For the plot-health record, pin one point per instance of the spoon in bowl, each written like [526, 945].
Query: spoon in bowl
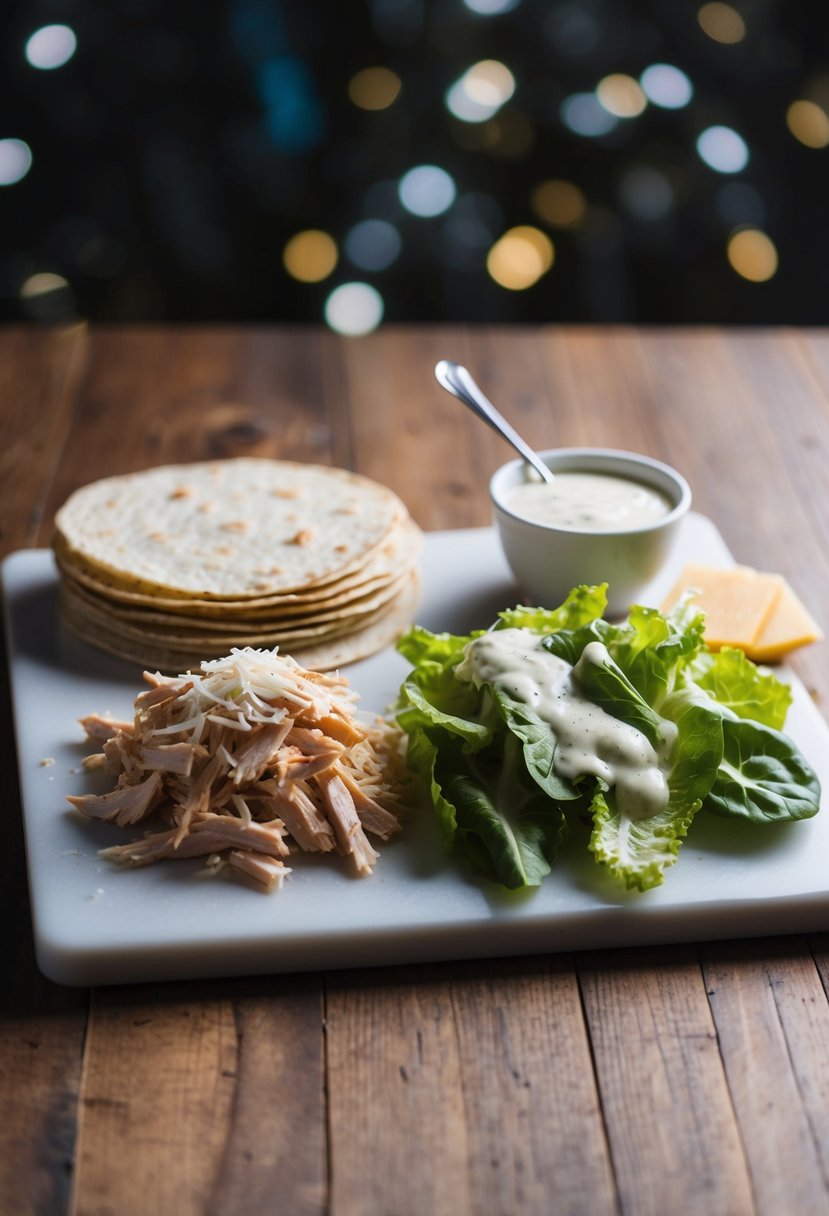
[456, 380]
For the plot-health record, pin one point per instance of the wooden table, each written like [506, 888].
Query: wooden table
[672, 1080]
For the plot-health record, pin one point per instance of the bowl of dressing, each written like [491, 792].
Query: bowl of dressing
[607, 517]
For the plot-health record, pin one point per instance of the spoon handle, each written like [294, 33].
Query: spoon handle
[457, 381]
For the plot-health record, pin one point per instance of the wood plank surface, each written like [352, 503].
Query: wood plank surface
[772, 1020]
[692, 1079]
[673, 1134]
[39, 374]
[41, 1026]
[228, 1116]
[473, 1083]
[155, 396]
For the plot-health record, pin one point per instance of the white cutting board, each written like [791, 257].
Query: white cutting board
[95, 924]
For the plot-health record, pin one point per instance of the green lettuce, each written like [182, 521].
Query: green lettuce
[638, 850]
[487, 760]
[736, 683]
[761, 776]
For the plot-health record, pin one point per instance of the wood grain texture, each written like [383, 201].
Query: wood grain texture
[168, 1131]
[674, 1080]
[673, 1134]
[41, 1026]
[208, 1096]
[275, 1153]
[472, 1085]
[772, 1020]
[152, 396]
[39, 373]
[410, 434]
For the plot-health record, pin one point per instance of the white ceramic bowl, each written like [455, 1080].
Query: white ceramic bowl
[548, 561]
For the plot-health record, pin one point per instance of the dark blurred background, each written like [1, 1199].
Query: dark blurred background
[403, 160]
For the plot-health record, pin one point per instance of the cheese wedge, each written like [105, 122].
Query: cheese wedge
[790, 625]
[755, 611]
[737, 603]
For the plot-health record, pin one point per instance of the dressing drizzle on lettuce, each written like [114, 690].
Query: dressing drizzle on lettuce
[491, 757]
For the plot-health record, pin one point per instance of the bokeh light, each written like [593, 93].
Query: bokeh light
[481, 91]
[15, 161]
[490, 8]
[50, 47]
[666, 86]
[294, 116]
[427, 190]
[752, 255]
[584, 115]
[310, 256]
[373, 244]
[621, 95]
[42, 283]
[722, 23]
[374, 88]
[354, 309]
[520, 257]
[559, 203]
[808, 123]
[398, 149]
[723, 149]
[47, 297]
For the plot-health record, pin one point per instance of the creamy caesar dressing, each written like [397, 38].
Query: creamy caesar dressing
[590, 741]
[588, 502]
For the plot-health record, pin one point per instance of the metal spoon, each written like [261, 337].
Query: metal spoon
[457, 381]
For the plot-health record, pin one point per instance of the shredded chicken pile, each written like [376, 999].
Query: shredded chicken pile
[241, 758]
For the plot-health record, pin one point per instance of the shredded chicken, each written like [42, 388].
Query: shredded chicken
[347, 827]
[100, 727]
[124, 805]
[241, 760]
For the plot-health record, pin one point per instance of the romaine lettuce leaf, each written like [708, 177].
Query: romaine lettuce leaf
[486, 805]
[432, 697]
[421, 756]
[604, 683]
[539, 745]
[568, 644]
[638, 850]
[420, 646]
[583, 605]
[747, 690]
[762, 776]
[431, 694]
[510, 832]
[652, 649]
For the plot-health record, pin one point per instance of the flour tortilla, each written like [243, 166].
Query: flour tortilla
[217, 637]
[323, 655]
[182, 563]
[233, 529]
[386, 562]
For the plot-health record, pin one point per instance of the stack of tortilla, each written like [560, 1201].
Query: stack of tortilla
[178, 564]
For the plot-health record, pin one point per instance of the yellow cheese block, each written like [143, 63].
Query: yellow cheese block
[737, 603]
[749, 609]
[789, 625]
